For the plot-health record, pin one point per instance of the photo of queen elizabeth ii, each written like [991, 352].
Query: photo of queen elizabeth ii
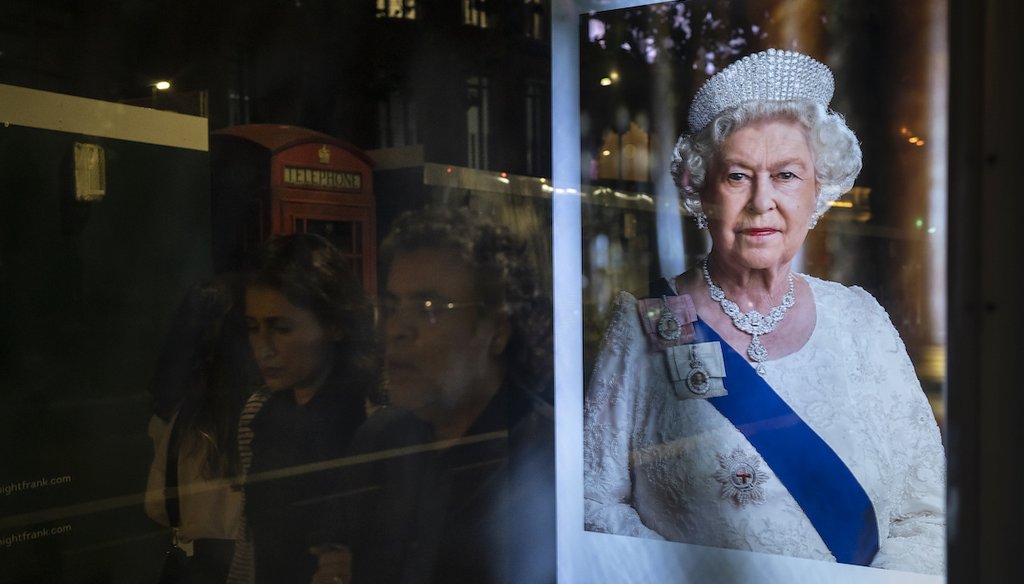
[742, 405]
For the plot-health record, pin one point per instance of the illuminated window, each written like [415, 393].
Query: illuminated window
[477, 128]
[534, 19]
[625, 156]
[474, 13]
[396, 9]
[635, 149]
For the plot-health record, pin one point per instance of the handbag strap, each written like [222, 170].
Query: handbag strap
[171, 501]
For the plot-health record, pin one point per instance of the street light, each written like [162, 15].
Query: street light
[155, 89]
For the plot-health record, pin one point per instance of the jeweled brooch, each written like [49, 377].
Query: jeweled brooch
[741, 477]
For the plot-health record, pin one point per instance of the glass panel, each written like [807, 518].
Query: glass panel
[140, 355]
[116, 320]
[639, 68]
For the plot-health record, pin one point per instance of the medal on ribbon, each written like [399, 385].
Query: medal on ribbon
[741, 477]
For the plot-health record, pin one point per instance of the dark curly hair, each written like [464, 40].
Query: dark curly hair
[205, 372]
[506, 277]
[313, 275]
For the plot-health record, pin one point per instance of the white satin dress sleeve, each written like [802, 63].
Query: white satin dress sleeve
[609, 412]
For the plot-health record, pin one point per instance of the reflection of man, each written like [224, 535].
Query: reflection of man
[459, 487]
[445, 342]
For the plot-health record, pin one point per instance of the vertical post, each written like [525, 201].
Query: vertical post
[567, 270]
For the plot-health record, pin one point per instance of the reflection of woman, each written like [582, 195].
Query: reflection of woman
[748, 407]
[310, 328]
[203, 377]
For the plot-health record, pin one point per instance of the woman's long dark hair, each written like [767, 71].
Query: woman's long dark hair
[205, 374]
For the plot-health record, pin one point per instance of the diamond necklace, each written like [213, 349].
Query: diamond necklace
[753, 323]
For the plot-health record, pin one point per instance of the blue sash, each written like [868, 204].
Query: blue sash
[811, 471]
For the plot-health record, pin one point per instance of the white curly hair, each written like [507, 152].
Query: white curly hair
[834, 147]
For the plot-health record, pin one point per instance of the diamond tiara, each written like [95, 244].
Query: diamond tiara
[770, 75]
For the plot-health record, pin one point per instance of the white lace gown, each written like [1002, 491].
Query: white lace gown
[650, 459]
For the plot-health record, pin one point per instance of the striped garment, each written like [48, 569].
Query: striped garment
[242, 563]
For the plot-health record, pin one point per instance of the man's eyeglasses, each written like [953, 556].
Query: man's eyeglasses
[418, 311]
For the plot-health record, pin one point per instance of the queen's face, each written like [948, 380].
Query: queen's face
[759, 195]
[291, 346]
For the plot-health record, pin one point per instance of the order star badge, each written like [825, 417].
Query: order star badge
[741, 477]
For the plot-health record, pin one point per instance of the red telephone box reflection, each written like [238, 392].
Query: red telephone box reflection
[272, 179]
